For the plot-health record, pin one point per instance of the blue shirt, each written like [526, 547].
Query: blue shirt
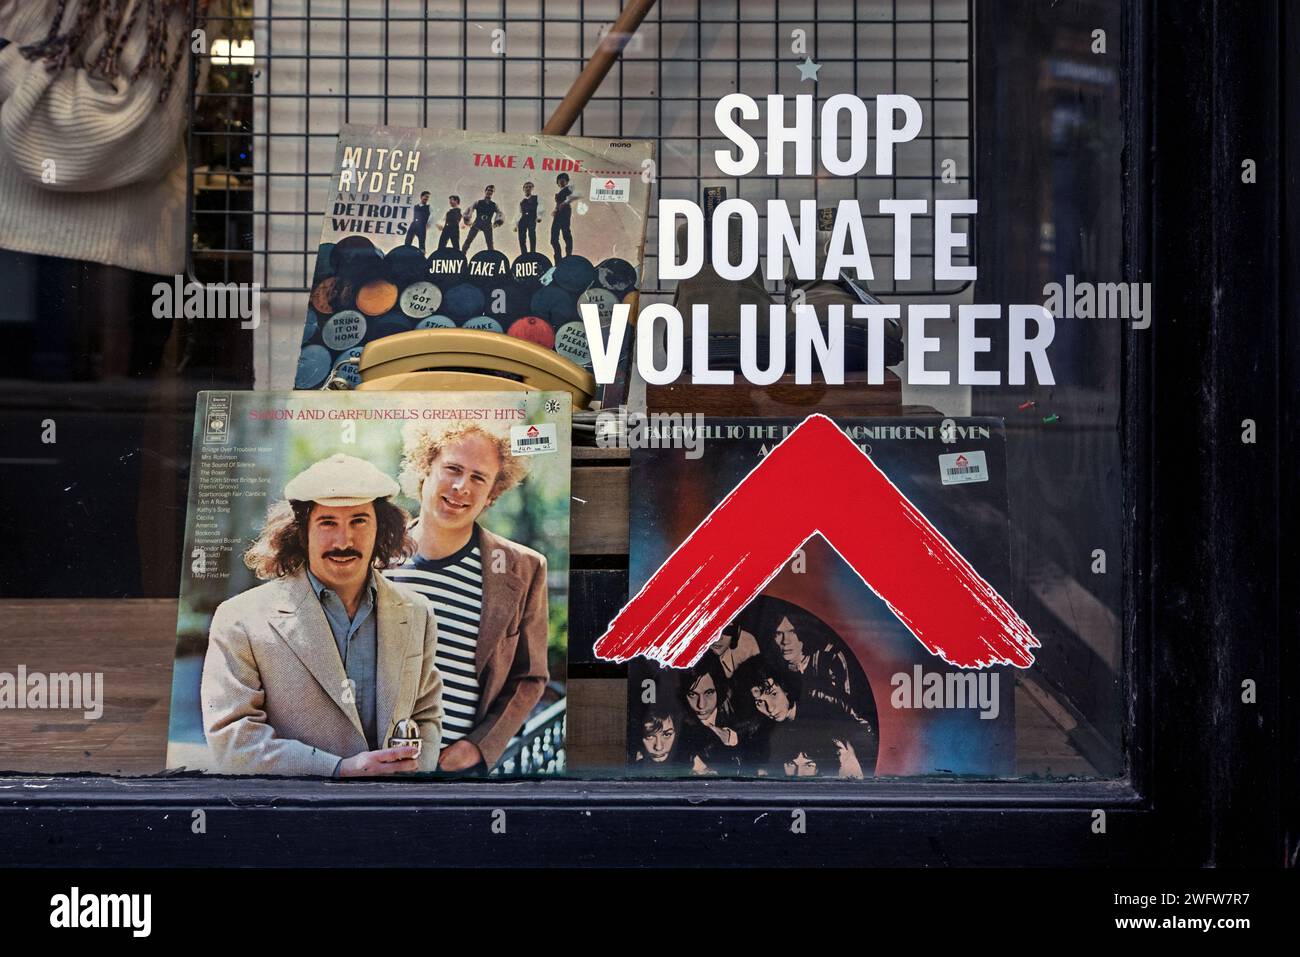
[357, 639]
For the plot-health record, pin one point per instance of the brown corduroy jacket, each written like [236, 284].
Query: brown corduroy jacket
[512, 631]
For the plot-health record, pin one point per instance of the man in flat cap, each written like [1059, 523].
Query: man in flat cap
[310, 673]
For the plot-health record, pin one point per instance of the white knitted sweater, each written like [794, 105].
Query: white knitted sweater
[115, 190]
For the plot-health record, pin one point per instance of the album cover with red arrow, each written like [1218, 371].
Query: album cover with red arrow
[822, 598]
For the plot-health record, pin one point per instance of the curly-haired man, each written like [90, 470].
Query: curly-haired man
[311, 672]
[489, 592]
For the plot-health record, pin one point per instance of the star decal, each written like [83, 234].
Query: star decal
[808, 69]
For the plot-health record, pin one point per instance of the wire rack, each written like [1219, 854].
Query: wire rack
[488, 65]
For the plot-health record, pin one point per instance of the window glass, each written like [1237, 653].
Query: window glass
[1021, 109]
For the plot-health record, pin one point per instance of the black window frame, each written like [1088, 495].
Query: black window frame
[1213, 781]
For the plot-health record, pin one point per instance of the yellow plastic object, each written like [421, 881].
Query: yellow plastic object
[451, 358]
[442, 382]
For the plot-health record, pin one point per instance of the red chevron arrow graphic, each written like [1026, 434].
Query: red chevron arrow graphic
[746, 540]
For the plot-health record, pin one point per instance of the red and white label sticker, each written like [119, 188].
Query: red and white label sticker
[958, 468]
[533, 439]
[610, 189]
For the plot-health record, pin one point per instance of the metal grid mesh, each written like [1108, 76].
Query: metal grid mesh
[488, 65]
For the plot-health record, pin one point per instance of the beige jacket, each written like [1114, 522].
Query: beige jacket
[274, 693]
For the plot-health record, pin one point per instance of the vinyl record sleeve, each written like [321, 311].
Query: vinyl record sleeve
[259, 659]
[515, 234]
[868, 698]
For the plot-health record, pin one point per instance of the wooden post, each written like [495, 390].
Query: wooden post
[566, 114]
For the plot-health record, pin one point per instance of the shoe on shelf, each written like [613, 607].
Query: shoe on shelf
[724, 297]
[847, 292]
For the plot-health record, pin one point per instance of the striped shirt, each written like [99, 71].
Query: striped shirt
[454, 586]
